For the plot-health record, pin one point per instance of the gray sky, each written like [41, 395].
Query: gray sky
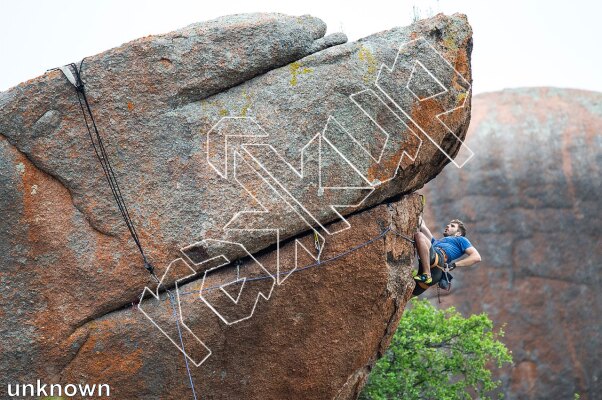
[516, 43]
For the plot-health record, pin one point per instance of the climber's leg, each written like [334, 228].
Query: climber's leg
[423, 245]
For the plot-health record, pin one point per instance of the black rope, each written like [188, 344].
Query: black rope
[103, 158]
[318, 263]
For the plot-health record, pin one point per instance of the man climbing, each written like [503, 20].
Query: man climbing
[442, 253]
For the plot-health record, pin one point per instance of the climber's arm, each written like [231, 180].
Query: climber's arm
[425, 230]
[472, 257]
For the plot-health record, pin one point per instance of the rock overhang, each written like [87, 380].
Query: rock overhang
[317, 129]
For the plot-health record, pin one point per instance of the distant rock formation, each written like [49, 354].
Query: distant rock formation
[245, 147]
[531, 200]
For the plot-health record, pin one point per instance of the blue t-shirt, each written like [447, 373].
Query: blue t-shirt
[453, 246]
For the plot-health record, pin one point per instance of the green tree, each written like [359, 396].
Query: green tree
[438, 354]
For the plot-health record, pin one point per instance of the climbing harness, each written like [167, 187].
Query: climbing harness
[72, 73]
[445, 282]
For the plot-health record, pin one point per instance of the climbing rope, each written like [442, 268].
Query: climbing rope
[175, 314]
[72, 73]
[318, 263]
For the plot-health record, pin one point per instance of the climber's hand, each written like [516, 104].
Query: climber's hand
[451, 266]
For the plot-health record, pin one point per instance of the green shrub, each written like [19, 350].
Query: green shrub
[438, 354]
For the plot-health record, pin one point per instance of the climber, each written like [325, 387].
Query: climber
[451, 251]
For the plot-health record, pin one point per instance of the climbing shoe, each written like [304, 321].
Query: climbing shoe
[414, 273]
[424, 278]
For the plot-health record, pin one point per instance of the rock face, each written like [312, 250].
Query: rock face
[241, 146]
[531, 199]
[315, 338]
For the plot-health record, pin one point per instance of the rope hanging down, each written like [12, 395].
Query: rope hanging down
[172, 301]
[72, 73]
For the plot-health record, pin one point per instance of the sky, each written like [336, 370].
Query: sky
[516, 43]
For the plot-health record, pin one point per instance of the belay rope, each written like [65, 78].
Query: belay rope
[72, 73]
